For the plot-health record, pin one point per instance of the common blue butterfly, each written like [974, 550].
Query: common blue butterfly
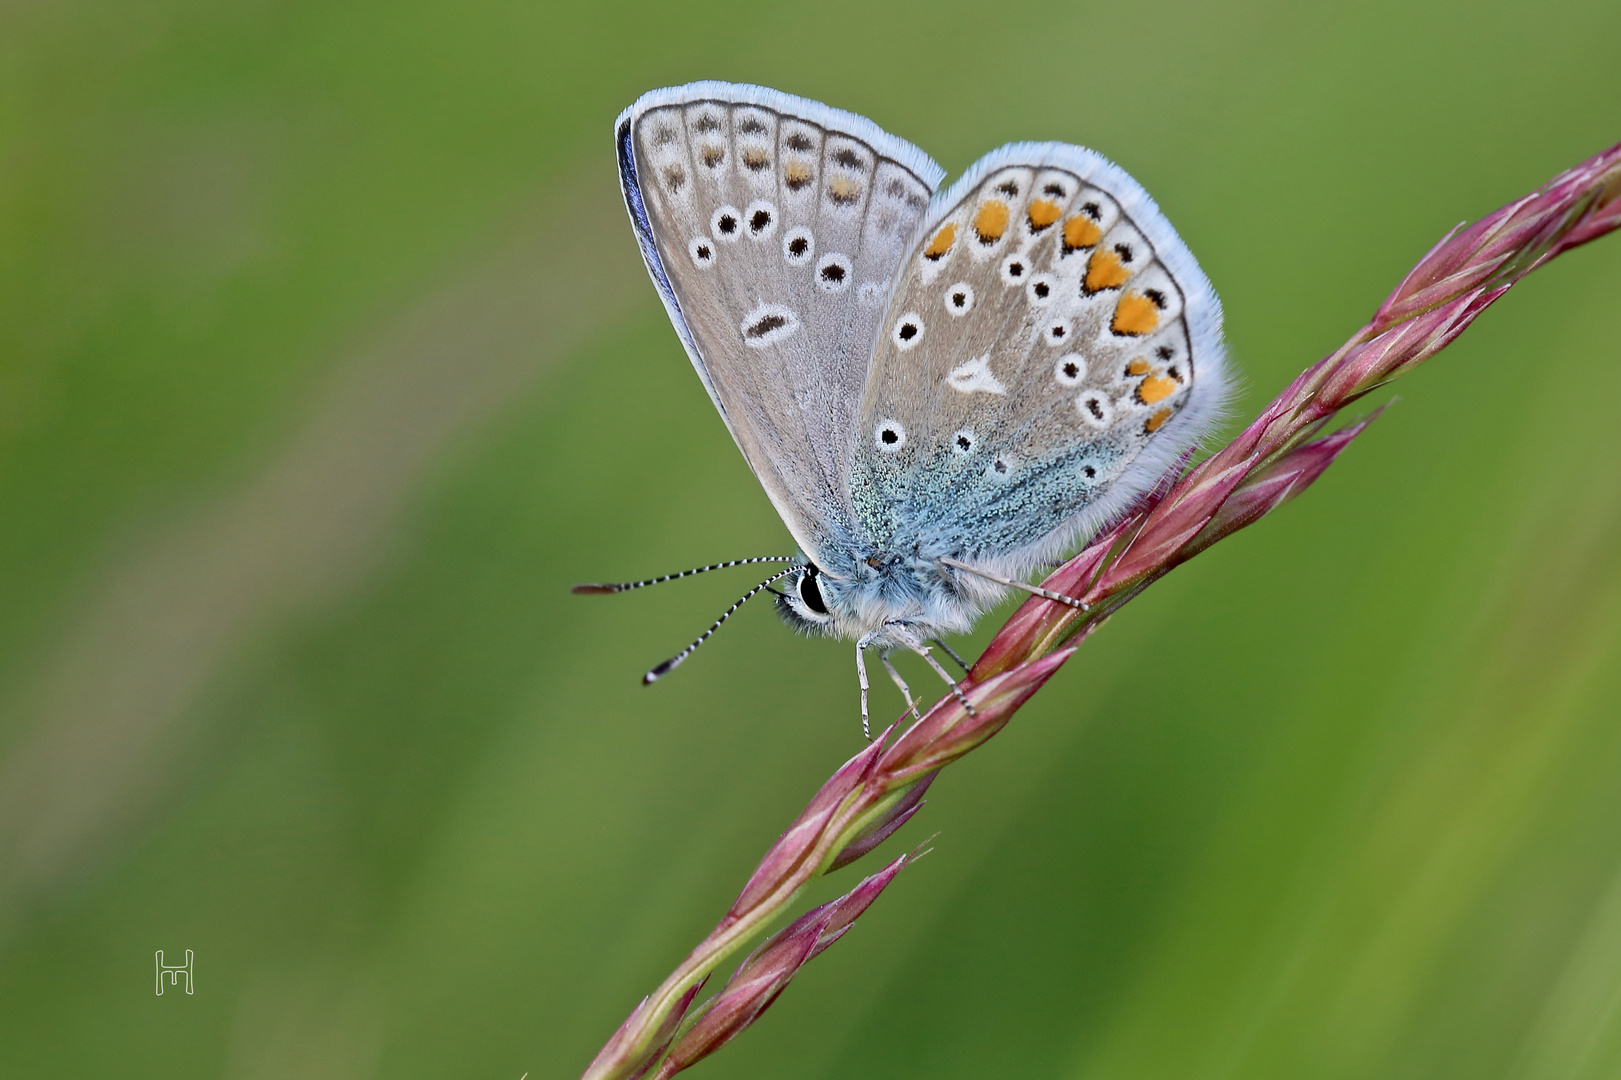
[939, 391]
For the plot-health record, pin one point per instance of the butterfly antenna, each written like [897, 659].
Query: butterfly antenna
[604, 590]
[1034, 590]
[665, 668]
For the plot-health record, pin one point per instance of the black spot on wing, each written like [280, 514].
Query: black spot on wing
[764, 325]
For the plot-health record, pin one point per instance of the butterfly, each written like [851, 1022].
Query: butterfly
[939, 391]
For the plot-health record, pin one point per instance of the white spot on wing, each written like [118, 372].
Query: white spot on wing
[1095, 409]
[1070, 369]
[907, 332]
[761, 218]
[798, 246]
[726, 224]
[768, 324]
[960, 298]
[976, 376]
[833, 272]
[1015, 268]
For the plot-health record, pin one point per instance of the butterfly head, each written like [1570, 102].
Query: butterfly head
[887, 599]
[804, 602]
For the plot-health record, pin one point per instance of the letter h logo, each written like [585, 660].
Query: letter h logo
[174, 973]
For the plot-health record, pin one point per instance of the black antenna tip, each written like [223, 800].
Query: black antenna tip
[662, 669]
[594, 590]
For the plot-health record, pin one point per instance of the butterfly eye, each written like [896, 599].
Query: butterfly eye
[810, 592]
[960, 298]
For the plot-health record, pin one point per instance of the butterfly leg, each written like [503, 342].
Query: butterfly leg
[911, 702]
[861, 677]
[923, 651]
[953, 654]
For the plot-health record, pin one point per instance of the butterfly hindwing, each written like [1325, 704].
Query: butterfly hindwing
[1050, 349]
[773, 227]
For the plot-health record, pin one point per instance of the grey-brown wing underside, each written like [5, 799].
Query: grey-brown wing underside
[1052, 348]
[773, 227]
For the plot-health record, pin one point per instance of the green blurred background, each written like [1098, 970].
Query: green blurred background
[327, 363]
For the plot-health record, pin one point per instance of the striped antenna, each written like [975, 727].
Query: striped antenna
[665, 668]
[604, 590]
[1034, 590]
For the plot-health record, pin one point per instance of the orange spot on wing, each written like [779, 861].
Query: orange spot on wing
[942, 242]
[1043, 212]
[1155, 388]
[1157, 421]
[844, 190]
[797, 174]
[1138, 366]
[1104, 271]
[1135, 315]
[991, 220]
[1081, 231]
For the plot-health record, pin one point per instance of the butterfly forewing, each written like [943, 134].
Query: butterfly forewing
[1050, 349]
[774, 227]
